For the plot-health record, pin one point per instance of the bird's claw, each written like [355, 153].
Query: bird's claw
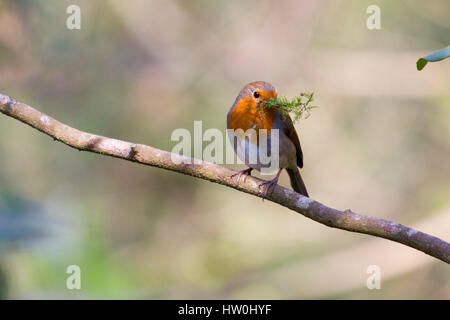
[245, 172]
[271, 184]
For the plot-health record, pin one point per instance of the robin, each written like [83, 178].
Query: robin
[247, 113]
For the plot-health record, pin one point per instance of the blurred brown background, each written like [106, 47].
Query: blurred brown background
[379, 144]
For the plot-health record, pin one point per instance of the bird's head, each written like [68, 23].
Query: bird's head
[254, 93]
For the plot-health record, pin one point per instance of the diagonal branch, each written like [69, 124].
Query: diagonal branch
[345, 220]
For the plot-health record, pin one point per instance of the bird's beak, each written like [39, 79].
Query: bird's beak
[267, 95]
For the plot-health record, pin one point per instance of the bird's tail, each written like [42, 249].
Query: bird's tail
[297, 182]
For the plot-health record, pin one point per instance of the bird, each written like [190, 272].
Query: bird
[248, 112]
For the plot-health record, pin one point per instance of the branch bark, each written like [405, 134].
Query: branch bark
[345, 220]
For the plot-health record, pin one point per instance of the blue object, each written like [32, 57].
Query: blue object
[436, 56]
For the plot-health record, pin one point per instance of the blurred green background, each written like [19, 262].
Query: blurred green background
[379, 144]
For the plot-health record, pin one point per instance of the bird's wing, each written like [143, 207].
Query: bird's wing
[289, 130]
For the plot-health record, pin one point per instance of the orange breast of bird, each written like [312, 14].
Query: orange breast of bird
[247, 115]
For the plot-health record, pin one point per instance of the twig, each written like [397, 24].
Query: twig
[345, 220]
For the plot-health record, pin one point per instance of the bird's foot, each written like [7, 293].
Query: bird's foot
[247, 172]
[271, 184]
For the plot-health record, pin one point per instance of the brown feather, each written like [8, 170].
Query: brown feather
[289, 130]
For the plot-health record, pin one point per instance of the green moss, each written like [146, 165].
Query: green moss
[299, 106]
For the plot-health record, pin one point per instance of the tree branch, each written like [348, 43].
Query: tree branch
[345, 220]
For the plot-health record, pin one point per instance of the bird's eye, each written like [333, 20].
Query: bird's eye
[256, 94]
